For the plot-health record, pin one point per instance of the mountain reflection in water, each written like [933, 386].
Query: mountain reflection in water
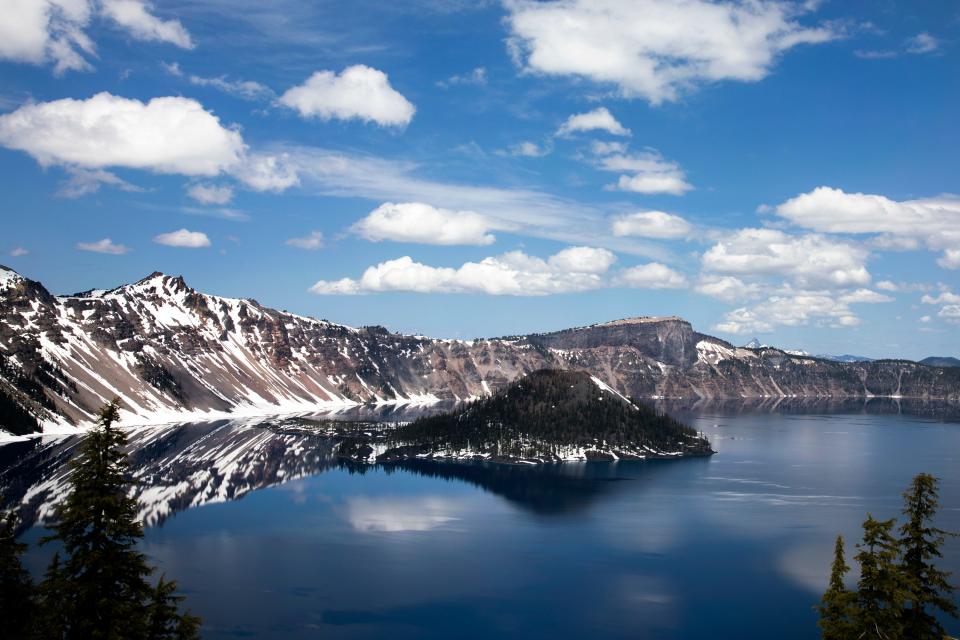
[188, 465]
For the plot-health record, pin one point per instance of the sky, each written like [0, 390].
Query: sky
[785, 170]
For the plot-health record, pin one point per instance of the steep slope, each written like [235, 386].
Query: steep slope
[172, 353]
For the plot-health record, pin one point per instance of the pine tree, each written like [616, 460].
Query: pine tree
[836, 605]
[920, 544]
[166, 623]
[16, 587]
[100, 591]
[50, 622]
[882, 591]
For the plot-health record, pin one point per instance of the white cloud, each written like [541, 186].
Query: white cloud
[210, 193]
[476, 77]
[515, 273]
[651, 224]
[42, 31]
[359, 92]
[268, 172]
[950, 313]
[310, 242]
[652, 276]
[604, 148]
[581, 260]
[85, 181]
[424, 224]
[104, 246]
[165, 135]
[922, 43]
[183, 238]
[523, 210]
[950, 259]
[886, 285]
[728, 289]
[135, 17]
[17, 252]
[793, 309]
[600, 119]
[864, 296]
[648, 171]
[933, 221]
[656, 49]
[245, 89]
[945, 297]
[808, 260]
[529, 149]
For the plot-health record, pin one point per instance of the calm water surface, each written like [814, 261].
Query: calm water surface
[735, 546]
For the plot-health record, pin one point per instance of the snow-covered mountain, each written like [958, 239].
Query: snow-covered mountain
[171, 353]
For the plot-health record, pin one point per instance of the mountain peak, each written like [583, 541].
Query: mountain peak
[158, 281]
[9, 277]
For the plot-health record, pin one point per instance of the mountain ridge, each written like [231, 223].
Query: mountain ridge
[172, 353]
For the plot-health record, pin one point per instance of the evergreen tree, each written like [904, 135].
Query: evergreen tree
[50, 622]
[101, 587]
[920, 544]
[16, 587]
[166, 623]
[836, 605]
[882, 591]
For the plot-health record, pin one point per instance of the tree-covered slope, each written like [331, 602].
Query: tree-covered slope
[545, 416]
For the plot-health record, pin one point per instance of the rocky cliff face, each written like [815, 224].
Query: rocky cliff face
[171, 353]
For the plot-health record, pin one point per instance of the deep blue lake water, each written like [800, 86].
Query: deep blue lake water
[735, 546]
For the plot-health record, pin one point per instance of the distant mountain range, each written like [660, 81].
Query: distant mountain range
[171, 353]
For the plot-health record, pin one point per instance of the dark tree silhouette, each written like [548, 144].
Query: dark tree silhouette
[836, 605]
[920, 544]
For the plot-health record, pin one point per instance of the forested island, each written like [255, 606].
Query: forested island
[547, 416]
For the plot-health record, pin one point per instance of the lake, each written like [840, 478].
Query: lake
[270, 538]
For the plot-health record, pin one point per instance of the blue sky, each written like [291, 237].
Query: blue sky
[463, 169]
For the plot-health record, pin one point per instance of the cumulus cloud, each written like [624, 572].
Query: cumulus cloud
[728, 289]
[932, 221]
[165, 135]
[944, 297]
[798, 308]
[424, 224]
[53, 31]
[104, 246]
[311, 242]
[950, 259]
[268, 171]
[808, 259]
[652, 276]
[358, 92]
[183, 238]
[210, 193]
[656, 49]
[950, 313]
[645, 172]
[17, 252]
[651, 224]
[514, 273]
[600, 119]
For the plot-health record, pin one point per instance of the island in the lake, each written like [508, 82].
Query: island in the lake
[546, 416]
